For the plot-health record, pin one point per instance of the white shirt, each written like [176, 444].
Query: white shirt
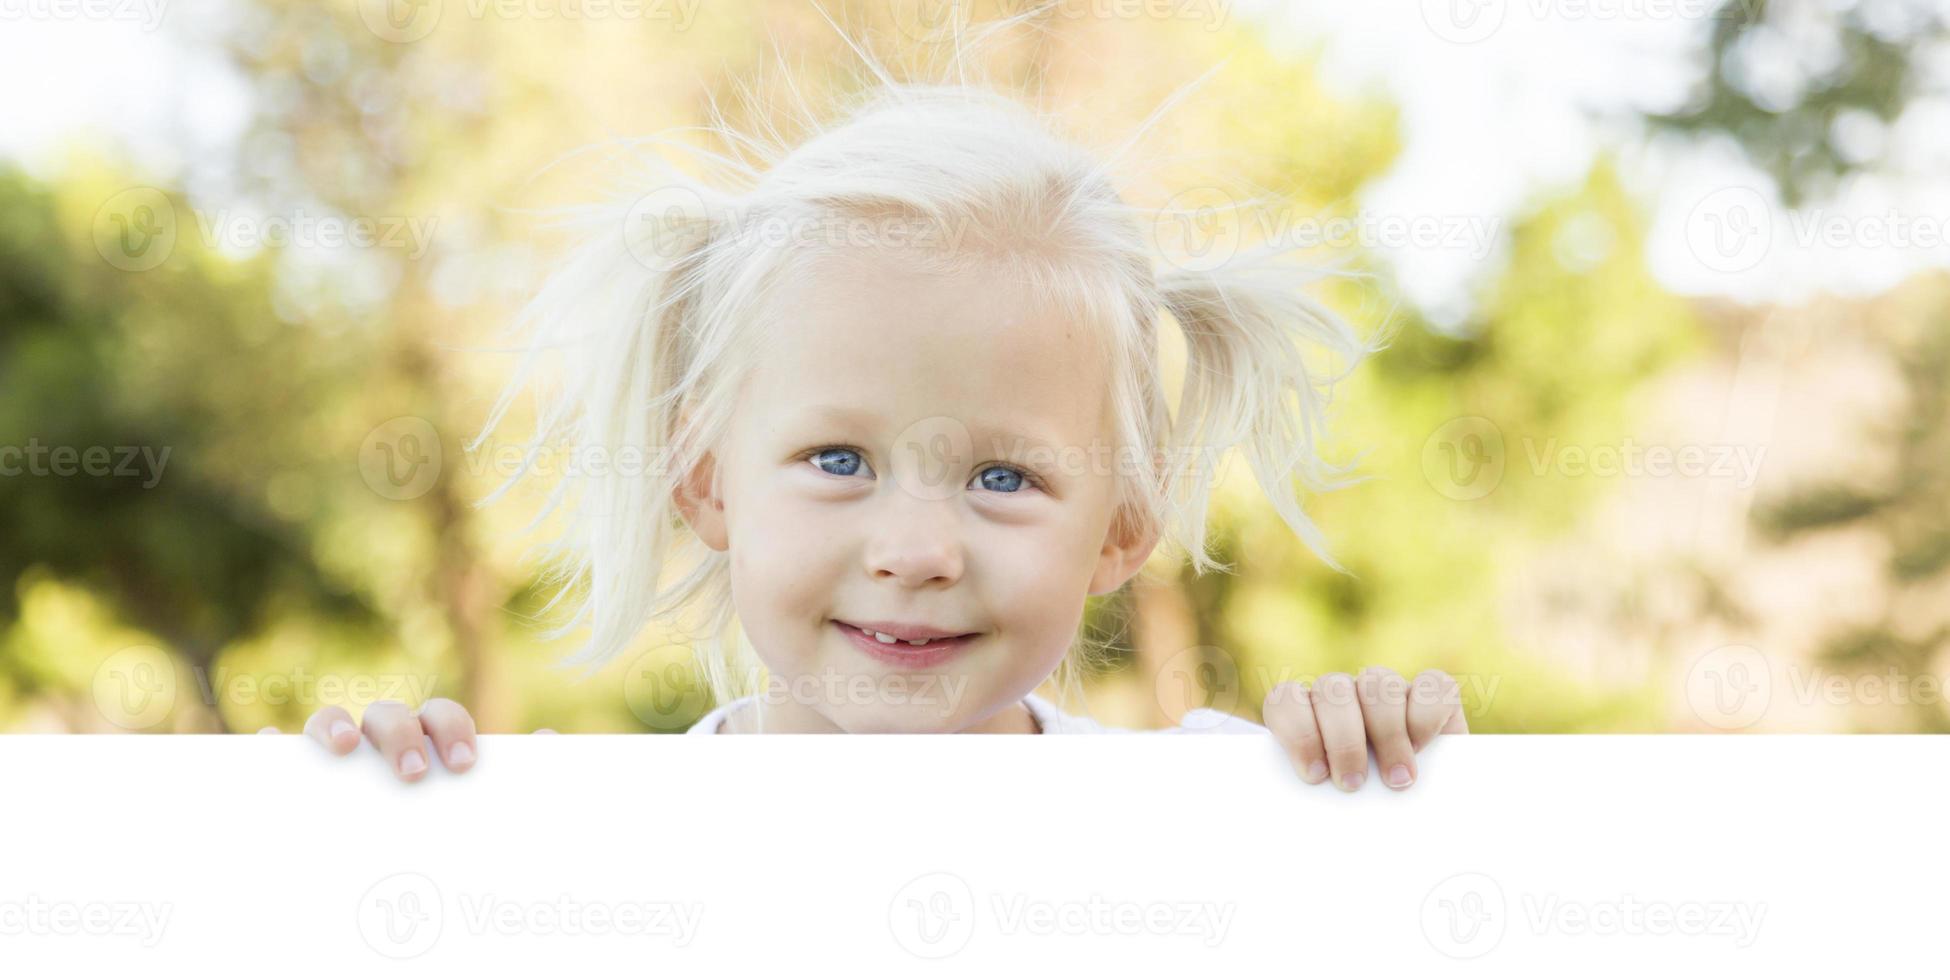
[1198, 721]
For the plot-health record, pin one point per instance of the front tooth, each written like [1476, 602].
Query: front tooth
[917, 643]
[884, 638]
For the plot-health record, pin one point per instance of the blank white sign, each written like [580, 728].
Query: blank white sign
[582, 856]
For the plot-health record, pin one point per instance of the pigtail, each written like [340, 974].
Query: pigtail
[1250, 332]
[614, 364]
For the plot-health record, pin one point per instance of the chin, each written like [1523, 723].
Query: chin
[897, 719]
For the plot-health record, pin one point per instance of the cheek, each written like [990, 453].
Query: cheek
[1035, 577]
[783, 561]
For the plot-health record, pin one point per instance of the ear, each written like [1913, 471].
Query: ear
[697, 499]
[1126, 548]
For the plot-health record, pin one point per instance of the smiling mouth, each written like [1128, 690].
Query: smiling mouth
[894, 640]
[905, 653]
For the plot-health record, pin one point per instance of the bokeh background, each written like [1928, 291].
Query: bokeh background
[1663, 443]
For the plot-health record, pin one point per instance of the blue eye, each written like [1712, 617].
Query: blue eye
[1001, 479]
[839, 462]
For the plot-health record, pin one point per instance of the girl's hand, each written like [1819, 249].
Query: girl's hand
[1327, 728]
[401, 735]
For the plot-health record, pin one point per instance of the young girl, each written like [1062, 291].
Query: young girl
[899, 405]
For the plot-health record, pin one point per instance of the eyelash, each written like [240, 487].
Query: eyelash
[1028, 477]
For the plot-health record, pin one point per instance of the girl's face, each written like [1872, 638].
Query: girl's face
[915, 448]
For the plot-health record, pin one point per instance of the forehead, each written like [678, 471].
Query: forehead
[880, 340]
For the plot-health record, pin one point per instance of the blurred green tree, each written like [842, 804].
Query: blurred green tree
[180, 549]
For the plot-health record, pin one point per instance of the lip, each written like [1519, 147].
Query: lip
[903, 654]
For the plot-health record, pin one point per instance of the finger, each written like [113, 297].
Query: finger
[397, 734]
[1384, 711]
[1289, 714]
[452, 729]
[1434, 708]
[1338, 713]
[332, 727]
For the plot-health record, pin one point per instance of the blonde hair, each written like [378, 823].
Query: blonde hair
[654, 318]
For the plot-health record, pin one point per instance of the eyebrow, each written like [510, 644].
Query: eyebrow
[843, 415]
[808, 422]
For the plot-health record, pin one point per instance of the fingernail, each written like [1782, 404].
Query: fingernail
[1398, 777]
[412, 762]
[1317, 772]
[1352, 781]
[340, 728]
[460, 754]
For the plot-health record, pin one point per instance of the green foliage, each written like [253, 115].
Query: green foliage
[1879, 64]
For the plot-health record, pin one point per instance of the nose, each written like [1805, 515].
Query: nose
[916, 543]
